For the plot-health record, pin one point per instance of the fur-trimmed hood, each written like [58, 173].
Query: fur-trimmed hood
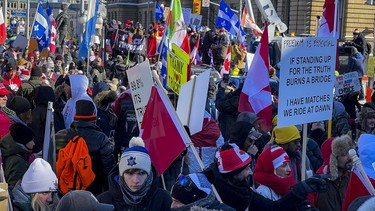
[102, 99]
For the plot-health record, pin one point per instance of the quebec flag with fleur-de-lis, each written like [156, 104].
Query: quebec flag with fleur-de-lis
[228, 20]
[40, 27]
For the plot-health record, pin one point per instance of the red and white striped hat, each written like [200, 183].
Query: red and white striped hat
[231, 160]
[278, 156]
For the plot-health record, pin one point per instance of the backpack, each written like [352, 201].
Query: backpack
[74, 166]
[127, 124]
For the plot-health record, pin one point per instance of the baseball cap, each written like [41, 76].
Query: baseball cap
[81, 200]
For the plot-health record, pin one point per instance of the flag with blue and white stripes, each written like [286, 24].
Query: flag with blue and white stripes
[90, 28]
[163, 48]
[159, 11]
[228, 20]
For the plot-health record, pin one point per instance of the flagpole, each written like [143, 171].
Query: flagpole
[27, 19]
[335, 19]
[357, 163]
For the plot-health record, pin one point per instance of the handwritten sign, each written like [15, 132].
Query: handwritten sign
[306, 80]
[177, 75]
[347, 83]
[140, 81]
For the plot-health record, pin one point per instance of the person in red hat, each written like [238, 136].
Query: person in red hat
[230, 174]
[11, 78]
[273, 173]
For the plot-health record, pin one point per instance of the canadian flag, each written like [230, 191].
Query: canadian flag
[52, 44]
[327, 21]
[164, 136]
[248, 20]
[226, 67]
[3, 31]
[194, 52]
[356, 187]
[256, 91]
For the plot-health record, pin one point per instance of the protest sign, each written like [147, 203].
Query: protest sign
[195, 20]
[140, 82]
[177, 64]
[347, 83]
[192, 101]
[186, 12]
[306, 80]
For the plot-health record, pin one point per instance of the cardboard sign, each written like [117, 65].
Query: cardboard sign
[177, 72]
[186, 12]
[347, 83]
[306, 80]
[140, 82]
[195, 20]
[192, 102]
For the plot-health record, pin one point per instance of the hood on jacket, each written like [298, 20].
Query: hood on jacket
[78, 85]
[9, 147]
[43, 94]
[102, 99]
[21, 199]
[338, 108]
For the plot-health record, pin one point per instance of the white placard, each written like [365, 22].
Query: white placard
[196, 100]
[306, 80]
[140, 82]
[186, 12]
[347, 83]
[205, 3]
[195, 20]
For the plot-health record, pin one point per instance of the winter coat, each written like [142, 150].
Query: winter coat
[227, 105]
[360, 44]
[268, 192]
[333, 199]
[100, 150]
[106, 117]
[221, 48]
[20, 200]
[314, 154]
[42, 96]
[16, 159]
[241, 197]
[5, 123]
[27, 88]
[239, 56]
[208, 40]
[356, 63]
[340, 124]
[98, 74]
[295, 166]
[14, 83]
[78, 85]
[155, 199]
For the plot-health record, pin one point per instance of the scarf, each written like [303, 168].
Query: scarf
[133, 198]
[281, 186]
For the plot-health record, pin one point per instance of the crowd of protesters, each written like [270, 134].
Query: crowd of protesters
[246, 166]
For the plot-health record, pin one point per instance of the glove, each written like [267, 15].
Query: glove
[313, 184]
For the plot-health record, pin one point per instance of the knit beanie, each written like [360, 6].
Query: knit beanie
[366, 152]
[39, 177]
[36, 71]
[356, 31]
[191, 188]
[83, 201]
[10, 66]
[231, 160]
[85, 110]
[284, 135]
[239, 132]
[19, 105]
[21, 133]
[135, 157]
[340, 146]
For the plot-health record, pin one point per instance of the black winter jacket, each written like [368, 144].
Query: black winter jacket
[242, 197]
[100, 150]
[155, 199]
